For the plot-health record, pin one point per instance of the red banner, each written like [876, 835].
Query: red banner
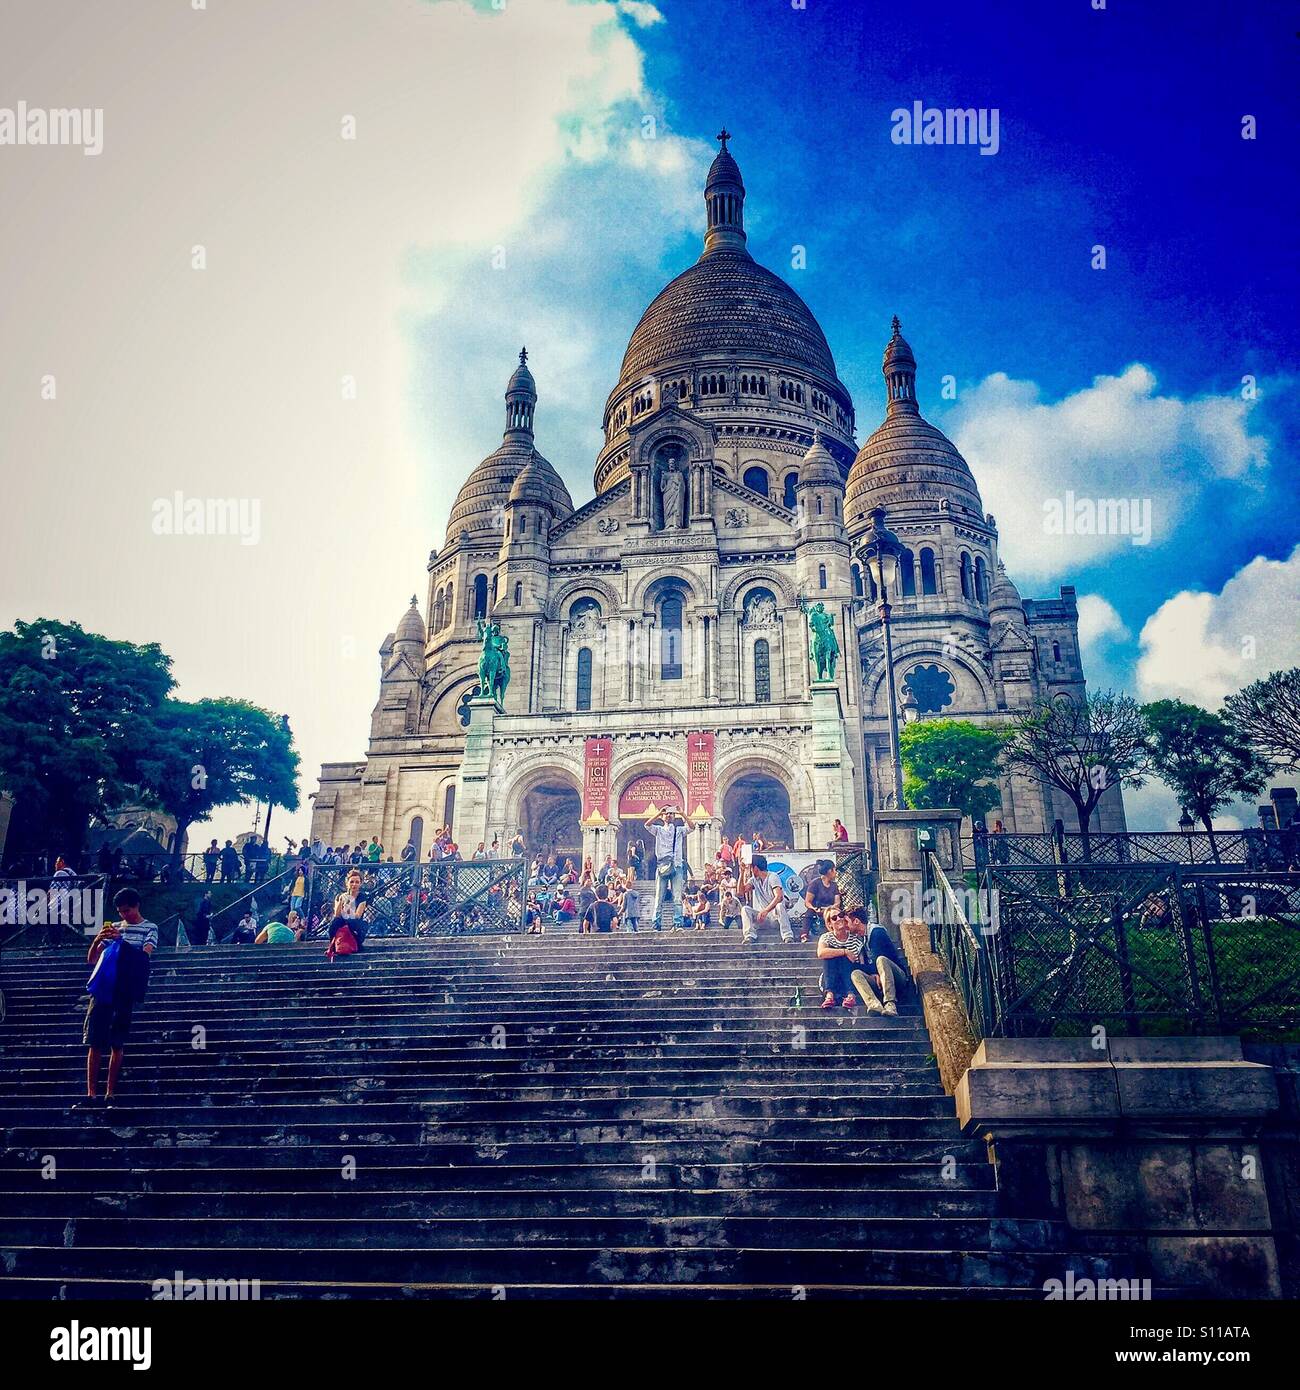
[649, 791]
[595, 781]
[699, 774]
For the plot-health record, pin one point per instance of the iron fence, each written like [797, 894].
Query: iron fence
[1147, 948]
[853, 875]
[1274, 851]
[447, 897]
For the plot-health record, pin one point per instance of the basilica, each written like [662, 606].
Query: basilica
[651, 647]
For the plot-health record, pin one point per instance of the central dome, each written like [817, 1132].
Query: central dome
[726, 302]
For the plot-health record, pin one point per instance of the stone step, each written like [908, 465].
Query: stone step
[284, 1289]
[972, 1174]
[172, 1150]
[543, 1262]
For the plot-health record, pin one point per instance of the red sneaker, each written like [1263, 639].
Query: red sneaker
[850, 1002]
[828, 1002]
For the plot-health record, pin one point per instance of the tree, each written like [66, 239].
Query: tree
[951, 762]
[77, 720]
[220, 752]
[1204, 761]
[1267, 715]
[1081, 747]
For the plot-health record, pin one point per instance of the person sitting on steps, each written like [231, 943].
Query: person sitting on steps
[349, 913]
[884, 973]
[766, 900]
[841, 951]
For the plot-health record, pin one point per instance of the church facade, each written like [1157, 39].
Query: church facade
[656, 638]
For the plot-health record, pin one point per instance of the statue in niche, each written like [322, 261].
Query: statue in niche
[672, 487]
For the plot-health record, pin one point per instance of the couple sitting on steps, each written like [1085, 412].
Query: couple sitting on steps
[858, 955]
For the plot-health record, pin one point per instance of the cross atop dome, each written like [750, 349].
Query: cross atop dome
[722, 137]
[523, 354]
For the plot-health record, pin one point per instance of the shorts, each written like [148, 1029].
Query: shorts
[108, 1023]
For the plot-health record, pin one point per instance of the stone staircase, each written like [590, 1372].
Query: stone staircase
[609, 1116]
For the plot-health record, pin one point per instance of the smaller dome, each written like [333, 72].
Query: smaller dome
[724, 170]
[521, 379]
[1004, 598]
[819, 465]
[898, 351]
[411, 626]
[540, 484]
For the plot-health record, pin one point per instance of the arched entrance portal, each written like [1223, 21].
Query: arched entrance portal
[758, 803]
[550, 814]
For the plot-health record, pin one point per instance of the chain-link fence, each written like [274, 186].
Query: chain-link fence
[1273, 851]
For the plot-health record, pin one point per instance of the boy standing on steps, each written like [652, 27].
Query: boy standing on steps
[108, 1016]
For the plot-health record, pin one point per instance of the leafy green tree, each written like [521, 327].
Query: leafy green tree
[1202, 758]
[1081, 748]
[951, 762]
[220, 752]
[77, 721]
[1267, 715]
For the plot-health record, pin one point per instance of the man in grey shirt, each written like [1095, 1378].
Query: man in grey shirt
[670, 862]
[766, 901]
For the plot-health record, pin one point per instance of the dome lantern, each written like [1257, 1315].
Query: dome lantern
[521, 399]
[899, 368]
[724, 199]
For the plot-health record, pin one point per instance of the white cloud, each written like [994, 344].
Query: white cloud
[643, 15]
[1201, 647]
[1116, 439]
[1099, 622]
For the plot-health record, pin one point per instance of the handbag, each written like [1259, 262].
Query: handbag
[343, 943]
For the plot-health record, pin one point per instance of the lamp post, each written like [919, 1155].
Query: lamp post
[1185, 824]
[879, 552]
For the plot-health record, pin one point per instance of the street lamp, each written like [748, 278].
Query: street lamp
[911, 710]
[1185, 824]
[880, 551]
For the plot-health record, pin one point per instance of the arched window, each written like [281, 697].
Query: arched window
[480, 596]
[519, 594]
[584, 678]
[857, 580]
[821, 576]
[981, 580]
[762, 672]
[449, 807]
[449, 613]
[756, 480]
[416, 835]
[906, 575]
[670, 637]
[791, 481]
[494, 591]
[523, 525]
[929, 583]
[1056, 651]
[819, 506]
[966, 591]
[439, 610]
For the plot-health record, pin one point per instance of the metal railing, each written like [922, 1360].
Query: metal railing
[1266, 850]
[447, 897]
[961, 945]
[1154, 948]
